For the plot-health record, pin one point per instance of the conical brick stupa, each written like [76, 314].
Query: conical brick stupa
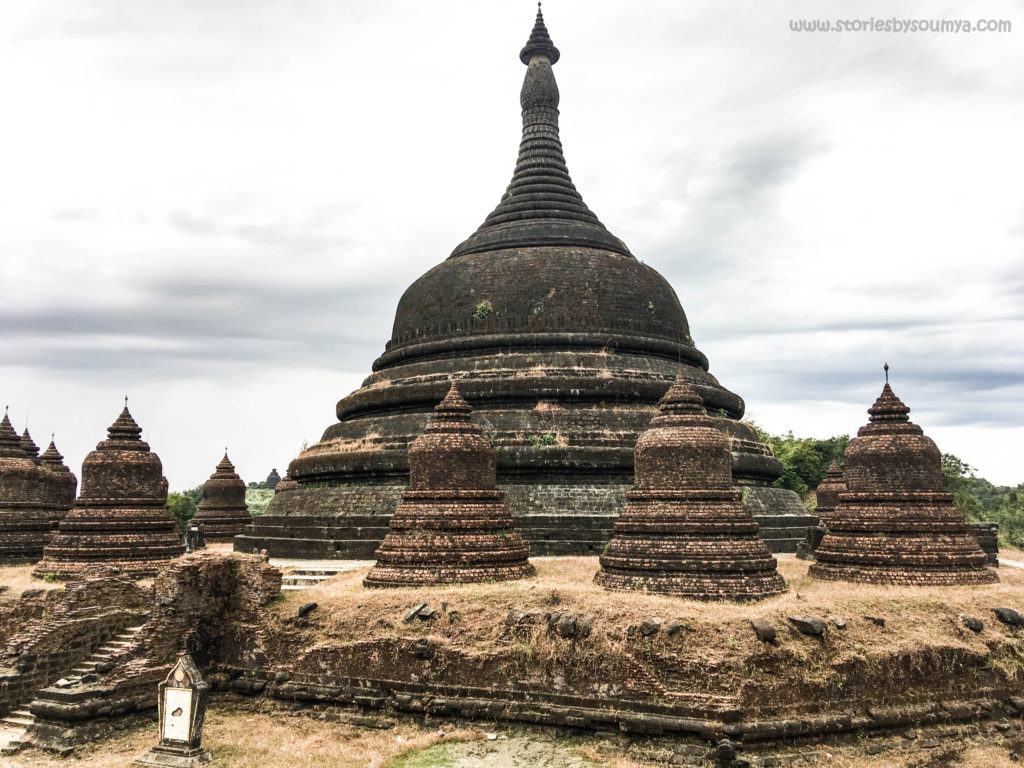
[223, 512]
[894, 524]
[452, 524]
[24, 523]
[59, 484]
[683, 530]
[121, 517]
[826, 495]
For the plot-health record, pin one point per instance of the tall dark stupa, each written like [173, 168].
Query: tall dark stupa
[561, 341]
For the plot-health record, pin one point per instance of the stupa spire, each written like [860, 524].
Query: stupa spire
[541, 206]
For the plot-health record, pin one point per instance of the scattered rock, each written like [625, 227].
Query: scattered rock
[878, 621]
[414, 612]
[570, 625]
[973, 624]
[873, 749]
[809, 625]
[3, 588]
[650, 627]
[427, 613]
[454, 616]
[105, 666]
[30, 594]
[1008, 616]
[840, 623]
[763, 629]
[674, 628]
[88, 677]
[306, 608]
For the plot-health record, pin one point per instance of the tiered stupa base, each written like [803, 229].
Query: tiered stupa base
[223, 524]
[139, 553]
[923, 541]
[700, 545]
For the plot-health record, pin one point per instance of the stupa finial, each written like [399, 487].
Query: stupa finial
[539, 43]
[886, 369]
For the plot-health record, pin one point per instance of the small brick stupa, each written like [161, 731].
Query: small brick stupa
[827, 492]
[286, 484]
[272, 479]
[121, 517]
[223, 512]
[452, 524]
[894, 524]
[24, 525]
[683, 530]
[59, 484]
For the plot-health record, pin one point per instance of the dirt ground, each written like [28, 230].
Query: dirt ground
[241, 737]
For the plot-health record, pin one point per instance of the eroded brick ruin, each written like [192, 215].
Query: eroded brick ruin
[452, 524]
[24, 523]
[121, 517]
[684, 530]
[564, 370]
[894, 524]
[223, 512]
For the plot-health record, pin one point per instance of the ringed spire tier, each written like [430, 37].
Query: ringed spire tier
[562, 342]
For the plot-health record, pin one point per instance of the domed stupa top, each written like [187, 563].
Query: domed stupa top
[828, 490]
[223, 512]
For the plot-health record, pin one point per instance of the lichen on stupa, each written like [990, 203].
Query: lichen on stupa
[121, 517]
[683, 530]
[24, 524]
[894, 524]
[561, 340]
[59, 484]
[223, 512]
[452, 525]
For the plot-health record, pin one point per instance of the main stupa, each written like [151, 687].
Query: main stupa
[562, 342]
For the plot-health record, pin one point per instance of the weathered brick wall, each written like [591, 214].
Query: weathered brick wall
[61, 628]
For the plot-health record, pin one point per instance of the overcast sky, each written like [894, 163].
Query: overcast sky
[214, 205]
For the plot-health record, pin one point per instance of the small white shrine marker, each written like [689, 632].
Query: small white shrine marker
[181, 704]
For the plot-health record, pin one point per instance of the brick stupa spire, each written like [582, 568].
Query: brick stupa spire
[894, 524]
[121, 517]
[452, 524]
[684, 530]
[223, 512]
[24, 525]
[60, 484]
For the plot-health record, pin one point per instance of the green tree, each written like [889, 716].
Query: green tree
[183, 507]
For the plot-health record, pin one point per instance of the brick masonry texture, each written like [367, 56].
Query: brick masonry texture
[894, 524]
[561, 340]
[223, 512]
[25, 525]
[121, 517]
[452, 524]
[683, 530]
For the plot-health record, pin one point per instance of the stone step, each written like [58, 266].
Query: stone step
[303, 577]
[290, 587]
[312, 571]
[19, 722]
[23, 712]
[84, 669]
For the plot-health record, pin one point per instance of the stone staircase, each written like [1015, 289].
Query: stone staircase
[15, 724]
[307, 576]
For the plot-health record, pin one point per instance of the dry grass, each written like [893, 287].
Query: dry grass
[919, 615]
[19, 578]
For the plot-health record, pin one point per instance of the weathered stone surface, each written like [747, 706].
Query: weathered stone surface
[25, 526]
[452, 524]
[684, 530]
[809, 625]
[121, 517]
[894, 524]
[307, 608]
[838, 621]
[972, 623]
[560, 338]
[763, 630]
[223, 512]
[878, 621]
[650, 627]
[1009, 616]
